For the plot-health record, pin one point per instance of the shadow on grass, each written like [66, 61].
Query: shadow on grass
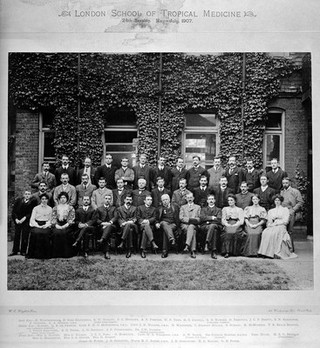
[97, 274]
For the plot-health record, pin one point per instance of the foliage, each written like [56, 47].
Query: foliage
[100, 82]
[303, 185]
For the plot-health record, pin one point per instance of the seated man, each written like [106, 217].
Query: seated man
[210, 219]
[190, 217]
[98, 195]
[146, 218]
[84, 220]
[84, 189]
[139, 195]
[158, 191]
[168, 221]
[179, 196]
[126, 215]
[106, 219]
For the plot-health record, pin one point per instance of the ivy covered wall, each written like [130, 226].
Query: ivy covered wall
[97, 83]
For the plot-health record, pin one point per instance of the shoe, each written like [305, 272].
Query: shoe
[107, 256]
[226, 255]
[74, 244]
[143, 254]
[186, 249]
[206, 249]
[193, 254]
[164, 254]
[12, 254]
[173, 242]
[128, 254]
[213, 255]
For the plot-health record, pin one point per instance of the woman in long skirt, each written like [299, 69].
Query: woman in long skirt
[40, 233]
[255, 218]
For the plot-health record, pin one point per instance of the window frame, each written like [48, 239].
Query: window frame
[42, 131]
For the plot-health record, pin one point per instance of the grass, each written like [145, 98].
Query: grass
[121, 274]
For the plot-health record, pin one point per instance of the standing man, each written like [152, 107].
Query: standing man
[87, 169]
[251, 175]
[125, 173]
[106, 218]
[222, 193]
[180, 196]
[119, 193]
[265, 193]
[210, 219]
[21, 213]
[84, 189]
[164, 172]
[65, 187]
[177, 173]
[215, 174]
[107, 171]
[168, 220]
[142, 170]
[276, 175]
[234, 175]
[139, 195]
[127, 220]
[201, 193]
[45, 176]
[293, 201]
[190, 218]
[84, 220]
[158, 192]
[146, 218]
[65, 168]
[244, 197]
[194, 174]
[98, 195]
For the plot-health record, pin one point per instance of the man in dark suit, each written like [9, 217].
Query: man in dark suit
[210, 220]
[169, 222]
[142, 170]
[21, 213]
[164, 172]
[157, 192]
[89, 170]
[234, 175]
[251, 175]
[215, 173]
[201, 193]
[222, 193]
[127, 219]
[276, 175]
[45, 176]
[106, 219]
[265, 193]
[84, 220]
[107, 171]
[119, 193]
[177, 173]
[146, 218]
[84, 189]
[66, 168]
[41, 191]
[139, 195]
[194, 174]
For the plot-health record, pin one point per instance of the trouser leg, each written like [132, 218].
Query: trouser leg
[191, 237]
[290, 228]
[16, 240]
[24, 238]
[106, 235]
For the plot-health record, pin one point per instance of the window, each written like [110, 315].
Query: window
[120, 135]
[200, 138]
[46, 138]
[273, 145]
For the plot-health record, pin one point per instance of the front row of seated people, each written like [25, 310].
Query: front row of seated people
[62, 230]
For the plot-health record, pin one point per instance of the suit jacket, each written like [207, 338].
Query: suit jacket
[85, 216]
[193, 176]
[190, 214]
[244, 201]
[124, 214]
[103, 214]
[92, 175]
[127, 176]
[176, 210]
[176, 175]
[275, 179]
[81, 192]
[98, 197]
[179, 197]
[146, 173]
[200, 196]
[214, 177]
[235, 177]
[108, 174]
[252, 179]
[265, 197]
[50, 180]
[146, 213]
[156, 196]
[71, 190]
[21, 209]
[70, 171]
[207, 213]
[165, 173]
[222, 197]
[138, 198]
[118, 199]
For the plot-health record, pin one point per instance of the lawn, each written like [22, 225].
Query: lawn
[121, 274]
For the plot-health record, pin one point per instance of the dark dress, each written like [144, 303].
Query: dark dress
[62, 238]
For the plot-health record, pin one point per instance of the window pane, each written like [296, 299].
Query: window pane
[119, 148]
[203, 145]
[272, 147]
[120, 136]
[201, 120]
[48, 150]
[120, 117]
[274, 120]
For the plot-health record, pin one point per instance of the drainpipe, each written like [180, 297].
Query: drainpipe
[78, 116]
[242, 100]
[160, 105]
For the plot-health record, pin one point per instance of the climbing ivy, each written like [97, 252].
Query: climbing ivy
[100, 82]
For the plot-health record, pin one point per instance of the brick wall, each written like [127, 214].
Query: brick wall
[27, 149]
